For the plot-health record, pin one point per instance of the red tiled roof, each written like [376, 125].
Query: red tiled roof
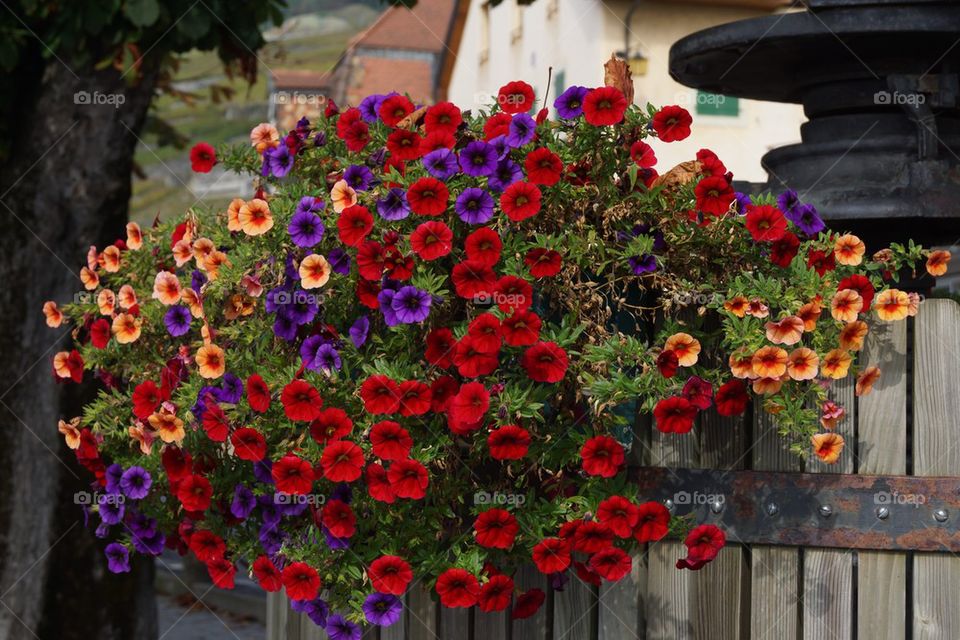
[297, 79]
[375, 74]
[423, 28]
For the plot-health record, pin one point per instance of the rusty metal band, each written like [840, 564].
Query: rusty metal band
[909, 513]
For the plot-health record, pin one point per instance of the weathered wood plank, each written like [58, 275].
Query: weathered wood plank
[575, 610]
[534, 627]
[454, 623]
[621, 614]
[495, 626]
[882, 449]
[277, 610]
[421, 615]
[936, 577]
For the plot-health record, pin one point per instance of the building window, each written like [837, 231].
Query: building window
[484, 47]
[715, 104]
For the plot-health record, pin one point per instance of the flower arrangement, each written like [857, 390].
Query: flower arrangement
[406, 357]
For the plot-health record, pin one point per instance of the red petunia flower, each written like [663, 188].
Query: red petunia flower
[428, 197]
[222, 573]
[440, 347]
[509, 442]
[441, 393]
[543, 263]
[528, 603]
[821, 261]
[496, 529]
[330, 424]
[415, 398]
[515, 97]
[521, 329]
[861, 284]
[483, 246]
[409, 479]
[513, 294]
[249, 444]
[458, 588]
[394, 109]
[472, 279]
[258, 394]
[176, 463]
[431, 240]
[207, 545]
[521, 200]
[543, 167]
[367, 293]
[404, 145]
[292, 474]
[587, 574]
[551, 555]
[301, 581]
[202, 157]
[443, 117]
[496, 593]
[642, 154]
[100, 333]
[356, 136]
[714, 195]
[698, 392]
[215, 421]
[301, 402]
[390, 441]
[497, 125]
[703, 544]
[611, 563]
[339, 519]
[604, 106]
[146, 399]
[378, 485]
[267, 574]
[380, 395]
[674, 415]
[342, 461]
[437, 140]
[592, 536]
[672, 123]
[710, 164]
[653, 522]
[471, 403]
[765, 223]
[485, 331]
[784, 250]
[668, 363]
[194, 493]
[732, 398]
[602, 456]
[471, 360]
[545, 362]
[619, 514]
[354, 224]
[390, 574]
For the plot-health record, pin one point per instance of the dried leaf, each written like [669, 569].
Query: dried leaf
[616, 73]
[410, 121]
[681, 174]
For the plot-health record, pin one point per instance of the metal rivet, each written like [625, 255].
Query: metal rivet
[883, 513]
[772, 509]
[716, 506]
[668, 503]
[940, 515]
[826, 510]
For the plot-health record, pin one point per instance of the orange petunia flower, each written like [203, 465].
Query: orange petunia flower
[182, 252]
[167, 425]
[110, 259]
[211, 264]
[314, 271]
[68, 364]
[685, 346]
[852, 335]
[827, 446]
[343, 196]
[758, 309]
[166, 288]
[211, 361]
[238, 305]
[264, 136]
[741, 364]
[937, 262]
[767, 386]
[865, 381]
[849, 249]
[233, 214]
[892, 305]
[769, 362]
[810, 313]
[255, 217]
[192, 299]
[914, 306]
[252, 285]
[93, 258]
[127, 297]
[831, 414]
[787, 331]
[134, 236]
[803, 364]
[107, 302]
[53, 314]
[846, 304]
[143, 437]
[71, 432]
[89, 278]
[737, 306]
[202, 248]
[126, 328]
[836, 364]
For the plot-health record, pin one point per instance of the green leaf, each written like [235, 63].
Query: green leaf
[142, 13]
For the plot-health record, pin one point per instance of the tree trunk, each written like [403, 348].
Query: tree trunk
[66, 186]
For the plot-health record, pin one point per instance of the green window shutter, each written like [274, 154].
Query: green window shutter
[713, 104]
[559, 83]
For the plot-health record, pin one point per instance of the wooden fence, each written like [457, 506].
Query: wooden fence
[907, 426]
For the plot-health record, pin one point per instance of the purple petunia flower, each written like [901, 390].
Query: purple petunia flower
[370, 106]
[474, 205]
[150, 544]
[478, 159]
[788, 200]
[522, 130]
[317, 610]
[231, 389]
[500, 144]
[385, 298]
[262, 471]
[569, 104]
[197, 280]
[311, 204]
[113, 474]
[382, 609]
[136, 482]
[339, 261]
[280, 159]
[335, 543]
[320, 139]
[326, 359]
[305, 229]
[298, 306]
[806, 218]
[102, 530]
[643, 264]
[308, 350]
[506, 174]
[394, 205]
[742, 202]
[339, 628]
[284, 328]
[358, 331]
[243, 502]
[442, 164]
[110, 508]
[118, 558]
[269, 512]
[359, 177]
[411, 304]
[271, 539]
[342, 492]
[177, 320]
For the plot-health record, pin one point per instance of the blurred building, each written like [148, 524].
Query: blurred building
[295, 94]
[511, 41]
